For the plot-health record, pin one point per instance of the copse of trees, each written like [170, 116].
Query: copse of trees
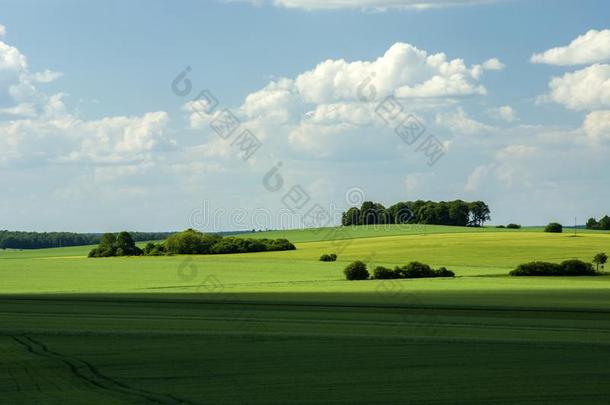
[457, 213]
[42, 240]
[120, 244]
[189, 242]
[603, 224]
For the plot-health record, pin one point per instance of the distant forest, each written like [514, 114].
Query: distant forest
[40, 240]
[456, 213]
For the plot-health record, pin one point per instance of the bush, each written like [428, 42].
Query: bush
[577, 268]
[537, 269]
[554, 227]
[500, 226]
[328, 258]
[152, 249]
[566, 268]
[383, 273]
[278, 244]
[444, 272]
[356, 271]
[513, 226]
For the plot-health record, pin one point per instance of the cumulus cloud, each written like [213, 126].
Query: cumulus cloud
[597, 126]
[46, 76]
[477, 177]
[505, 112]
[404, 71]
[459, 122]
[2, 31]
[368, 4]
[19, 94]
[588, 88]
[516, 152]
[493, 64]
[592, 47]
[321, 109]
[66, 139]
[40, 129]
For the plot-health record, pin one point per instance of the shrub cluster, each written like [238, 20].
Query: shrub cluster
[510, 226]
[411, 270]
[566, 268]
[358, 271]
[553, 227]
[328, 258]
[190, 242]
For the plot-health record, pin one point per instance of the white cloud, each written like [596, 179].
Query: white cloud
[416, 183]
[45, 77]
[477, 177]
[40, 130]
[588, 88]
[276, 102]
[493, 64]
[597, 126]
[18, 92]
[592, 47]
[404, 71]
[505, 112]
[459, 122]
[322, 110]
[2, 31]
[516, 152]
[66, 139]
[368, 4]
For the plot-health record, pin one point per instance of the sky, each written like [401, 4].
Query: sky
[230, 115]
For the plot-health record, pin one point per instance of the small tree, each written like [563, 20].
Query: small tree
[592, 223]
[356, 271]
[600, 259]
[554, 227]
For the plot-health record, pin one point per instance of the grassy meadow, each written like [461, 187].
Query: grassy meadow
[279, 327]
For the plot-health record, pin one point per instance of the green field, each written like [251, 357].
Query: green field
[281, 327]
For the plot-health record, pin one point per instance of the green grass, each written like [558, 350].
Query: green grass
[281, 326]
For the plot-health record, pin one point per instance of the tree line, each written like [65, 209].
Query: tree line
[41, 240]
[456, 213]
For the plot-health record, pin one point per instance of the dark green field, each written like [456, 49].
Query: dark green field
[177, 349]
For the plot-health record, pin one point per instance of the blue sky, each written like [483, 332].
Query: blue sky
[94, 139]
